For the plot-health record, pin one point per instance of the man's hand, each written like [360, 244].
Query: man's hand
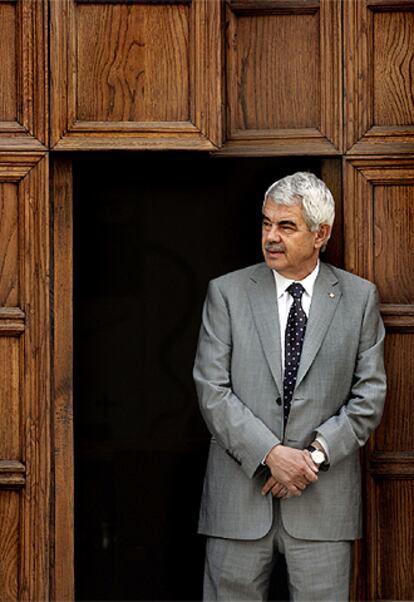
[291, 468]
[275, 488]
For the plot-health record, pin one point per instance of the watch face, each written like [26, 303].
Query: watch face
[318, 457]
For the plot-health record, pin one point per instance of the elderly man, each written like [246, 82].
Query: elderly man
[290, 379]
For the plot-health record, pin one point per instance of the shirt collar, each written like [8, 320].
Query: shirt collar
[308, 283]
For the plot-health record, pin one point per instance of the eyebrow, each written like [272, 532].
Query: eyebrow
[283, 222]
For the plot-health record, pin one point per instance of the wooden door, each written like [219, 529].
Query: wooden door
[379, 245]
[25, 478]
[379, 220]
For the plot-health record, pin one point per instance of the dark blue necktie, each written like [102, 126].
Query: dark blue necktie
[294, 335]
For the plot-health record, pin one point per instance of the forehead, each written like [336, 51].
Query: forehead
[277, 213]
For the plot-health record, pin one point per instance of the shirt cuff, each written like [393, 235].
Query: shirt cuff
[322, 441]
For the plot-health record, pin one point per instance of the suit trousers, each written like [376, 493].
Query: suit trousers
[241, 569]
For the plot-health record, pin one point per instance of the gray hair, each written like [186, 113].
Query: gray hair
[308, 191]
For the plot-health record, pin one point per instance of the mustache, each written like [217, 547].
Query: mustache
[272, 246]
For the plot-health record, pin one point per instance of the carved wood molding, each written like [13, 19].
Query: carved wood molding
[24, 281]
[362, 175]
[123, 112]
[379, 42]
[275, 7]
[12, 474]
[392, 465]
[266, 119]
[12, 321]
[25, 88]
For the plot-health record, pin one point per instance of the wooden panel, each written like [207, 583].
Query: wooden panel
[394, 242]
[9, 546]
[136, 75]
[378, 223]
[62, 586]
[262, 101]
[133, 63]
[393, 68]
[9, 232]
[378, 210]
[396, 432]
[8, 83]
[393, 575]
[284, 77]
[23, 74]
[379, 69]
[10, 398]
[24, 377]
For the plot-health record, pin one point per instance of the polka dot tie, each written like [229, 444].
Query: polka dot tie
[294, 335]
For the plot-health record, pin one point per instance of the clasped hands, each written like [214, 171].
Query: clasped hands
[292, 470]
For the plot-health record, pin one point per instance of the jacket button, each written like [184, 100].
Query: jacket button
[279, 401]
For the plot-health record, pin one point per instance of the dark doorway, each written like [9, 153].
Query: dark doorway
[150, 230]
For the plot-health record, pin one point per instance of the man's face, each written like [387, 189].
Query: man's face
[287, 243]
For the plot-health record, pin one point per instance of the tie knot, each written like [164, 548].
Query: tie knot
[296, 290]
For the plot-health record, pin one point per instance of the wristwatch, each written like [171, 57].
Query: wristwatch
[318, 457]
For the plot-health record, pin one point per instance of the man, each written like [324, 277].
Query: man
[290, 378]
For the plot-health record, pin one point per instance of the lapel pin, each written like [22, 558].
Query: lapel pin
[332, 295]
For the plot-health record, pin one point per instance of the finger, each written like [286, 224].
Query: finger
[277, 489]
[283, 493]
[294, 491]
[268, 485]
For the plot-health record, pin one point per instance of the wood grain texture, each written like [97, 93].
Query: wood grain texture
[393, 68]
[378, 68]
[9, 243]
[331, 174]
[9, 545]
[393, 578]
[284, 77]
[365, 178]
[10, 443]
[394, 242]
[8, 72]
[396, 432]
[133, 63]
[62, 542]
[23, 75]
[35, 378]
[261, 45]
[136, 75]
[377, 201]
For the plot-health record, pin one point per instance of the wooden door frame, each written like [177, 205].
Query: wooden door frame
[62, 547]
[62, 585]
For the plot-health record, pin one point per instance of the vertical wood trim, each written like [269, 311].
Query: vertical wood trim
[206, 56]
[59, 90]
[358, 209]
[62, 578]
[35, 349]
[331, 72]
[357, 70]
[32, 76]
[331, 174]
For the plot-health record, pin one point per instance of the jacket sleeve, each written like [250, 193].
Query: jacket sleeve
[350, 428]
[242, 434]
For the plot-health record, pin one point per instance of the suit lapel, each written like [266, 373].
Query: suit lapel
[263, 302]
[325, 299]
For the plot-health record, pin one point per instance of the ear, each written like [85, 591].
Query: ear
[322, 235]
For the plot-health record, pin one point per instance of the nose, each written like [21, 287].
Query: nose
[273, 234]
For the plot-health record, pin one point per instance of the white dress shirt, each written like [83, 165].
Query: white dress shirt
[285, 300]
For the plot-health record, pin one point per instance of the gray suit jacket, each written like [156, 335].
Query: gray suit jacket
[339, 393]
